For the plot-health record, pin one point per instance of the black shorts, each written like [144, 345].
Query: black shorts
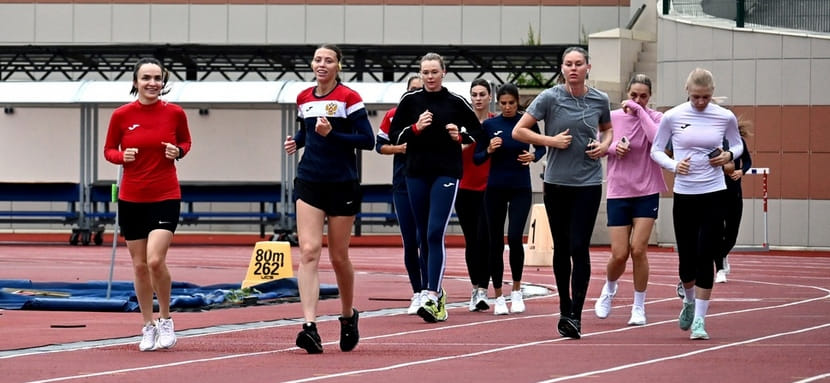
[137, 219]
[333, 198]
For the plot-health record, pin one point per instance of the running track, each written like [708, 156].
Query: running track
[769, 323]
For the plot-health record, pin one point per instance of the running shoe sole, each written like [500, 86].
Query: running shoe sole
[307, 342]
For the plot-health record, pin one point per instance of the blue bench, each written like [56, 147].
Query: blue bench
[195, 194]
[65, 193]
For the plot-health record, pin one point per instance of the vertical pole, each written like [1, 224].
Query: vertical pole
[766, 225]
[740, 13]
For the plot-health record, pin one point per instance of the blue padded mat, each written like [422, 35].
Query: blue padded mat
[23, 294]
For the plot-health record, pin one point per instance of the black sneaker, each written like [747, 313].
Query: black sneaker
[309, 339]
[569, 328]
[349, 335]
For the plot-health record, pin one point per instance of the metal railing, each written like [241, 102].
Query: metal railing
[805, 15]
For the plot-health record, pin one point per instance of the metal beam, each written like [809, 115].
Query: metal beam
[191, 62]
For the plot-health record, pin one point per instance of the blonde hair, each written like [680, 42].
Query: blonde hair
[702, 78]
[434, 56]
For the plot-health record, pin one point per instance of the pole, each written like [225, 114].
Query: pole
[740, 13]
[114, 198]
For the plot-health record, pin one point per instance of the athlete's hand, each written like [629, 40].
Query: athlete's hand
[424, 120]
[290, 145]
[562, 140]
[171, 152]
[495, 143]
[323, 126]
[129, 154]
[683, 166]
[525, 158]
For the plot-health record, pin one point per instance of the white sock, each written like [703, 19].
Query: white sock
[432, 297]
[639, 298]
[690, 295]
[611, 286]
[701, 307]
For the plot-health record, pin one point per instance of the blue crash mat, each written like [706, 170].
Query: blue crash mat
[23, 294]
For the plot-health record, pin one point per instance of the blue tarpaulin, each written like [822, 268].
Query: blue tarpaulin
[23, 294]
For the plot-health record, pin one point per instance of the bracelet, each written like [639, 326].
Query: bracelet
[181, 153]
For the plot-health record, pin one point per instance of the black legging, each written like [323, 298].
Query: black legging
[572, 213]
[469, 207]
[733, 210]
[513, 205]
[698, 229]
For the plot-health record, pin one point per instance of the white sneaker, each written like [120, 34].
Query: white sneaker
[638, 316]
[166, 337]
[501, 306]
[517, 304]
[414, 304]
[481, 300]
[473, 300]
[726, 268]
[149, 336]
[721, 276]
[603, 306]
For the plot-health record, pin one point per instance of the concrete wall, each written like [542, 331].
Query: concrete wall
[306, 22]
[779, 82]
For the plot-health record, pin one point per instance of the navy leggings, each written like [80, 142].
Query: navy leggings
[432, 199]
[572, 213]
[698, 229]
[469, 206]
[414, 251]
[512, 205]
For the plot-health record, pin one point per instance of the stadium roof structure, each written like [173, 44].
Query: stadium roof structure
[195, 62]
[202, 94]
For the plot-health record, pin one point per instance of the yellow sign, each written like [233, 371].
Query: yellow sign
[270, 261]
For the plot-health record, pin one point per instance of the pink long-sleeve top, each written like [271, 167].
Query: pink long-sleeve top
[635, 174]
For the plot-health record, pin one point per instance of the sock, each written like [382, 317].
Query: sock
[432, 297]
[690, 295]
[639, 298]
[701, 307]
[611, 285]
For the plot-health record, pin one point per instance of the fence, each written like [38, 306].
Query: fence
[806, 15]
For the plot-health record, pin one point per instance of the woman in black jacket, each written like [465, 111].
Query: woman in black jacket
[433, 122]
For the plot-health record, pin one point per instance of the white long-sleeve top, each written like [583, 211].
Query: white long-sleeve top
[693, 134]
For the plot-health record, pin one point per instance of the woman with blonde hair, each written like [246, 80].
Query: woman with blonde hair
[696, 130]
[433, 122]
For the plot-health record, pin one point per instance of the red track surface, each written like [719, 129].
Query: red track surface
[769, 323]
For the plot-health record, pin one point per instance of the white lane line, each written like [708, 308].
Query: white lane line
[461, 356]
[523, 345]
[813, 378]
[683, 355]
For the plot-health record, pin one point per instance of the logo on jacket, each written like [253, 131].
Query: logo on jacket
[133, 126]
[331, 108]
